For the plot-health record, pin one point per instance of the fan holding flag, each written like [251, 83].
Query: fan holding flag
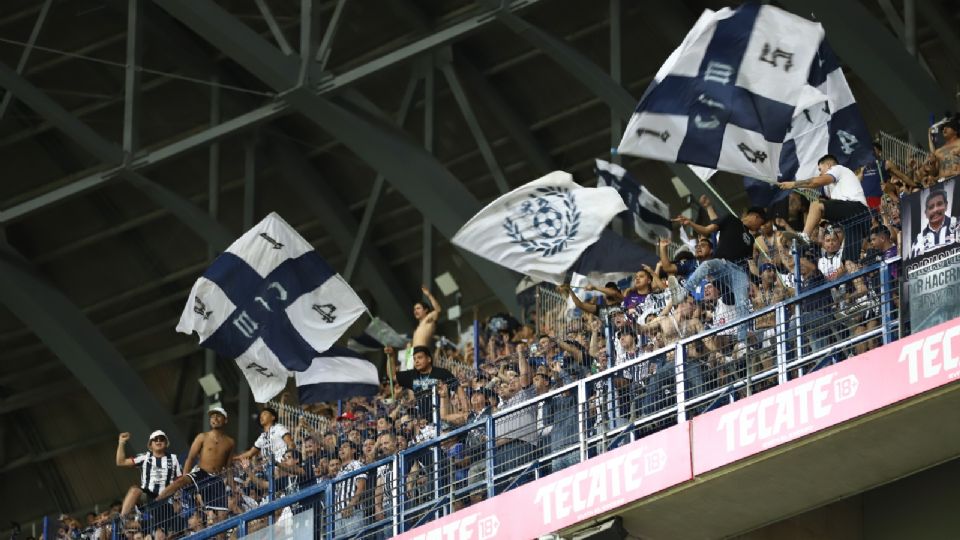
[275, 307]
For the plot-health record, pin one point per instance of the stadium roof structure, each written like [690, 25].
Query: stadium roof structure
[140, 137]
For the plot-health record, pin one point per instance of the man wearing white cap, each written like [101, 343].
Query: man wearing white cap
[211, 451]
[157, 469]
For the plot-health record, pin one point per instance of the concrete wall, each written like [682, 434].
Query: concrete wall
[920, 506]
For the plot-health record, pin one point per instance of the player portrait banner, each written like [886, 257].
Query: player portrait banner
[930, 246]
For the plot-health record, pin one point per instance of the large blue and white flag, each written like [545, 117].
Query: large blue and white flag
[337, 373]
[271, 303]
[739, 95]
[825, 120]
[651, 216]
[542, 227]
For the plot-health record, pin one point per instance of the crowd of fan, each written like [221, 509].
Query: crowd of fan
[714, 283]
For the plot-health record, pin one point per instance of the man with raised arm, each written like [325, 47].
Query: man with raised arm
[158, 469]
[426, 319]
[947, 157]
[733, 251]
[211, 451]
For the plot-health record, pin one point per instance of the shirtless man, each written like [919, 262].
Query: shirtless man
[212, 451]
[426, 319]
[947, 156]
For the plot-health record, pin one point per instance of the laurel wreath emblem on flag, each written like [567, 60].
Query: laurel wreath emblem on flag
[554, 228]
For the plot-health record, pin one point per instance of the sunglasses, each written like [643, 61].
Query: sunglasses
[158, 439]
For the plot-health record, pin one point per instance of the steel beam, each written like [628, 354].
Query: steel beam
[324, 202]
[897, 24]
[360, 239]
[107, 152]
[265, 113]
[326, 44]
[898, 80]
[83, 350]
[616, 121]
[131, 103]
[503, 112]
[429, 123]
[944, 24]
[25, 55]
[600, 84]
[473, 124]
[275, 29]
[415, 173]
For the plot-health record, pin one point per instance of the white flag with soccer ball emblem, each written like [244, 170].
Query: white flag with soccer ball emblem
[541, 228]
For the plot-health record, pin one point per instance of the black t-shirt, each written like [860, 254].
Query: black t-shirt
[735, 243]
[411, 378]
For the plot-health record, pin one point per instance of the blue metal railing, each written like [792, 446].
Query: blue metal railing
[586, 443]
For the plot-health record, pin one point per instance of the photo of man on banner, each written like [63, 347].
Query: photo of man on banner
[930, 245]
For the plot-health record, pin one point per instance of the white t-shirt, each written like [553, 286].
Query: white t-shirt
[723, 314]
[830, 264]
[271, 442]
[845, 187]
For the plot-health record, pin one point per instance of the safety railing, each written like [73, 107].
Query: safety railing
[555, 425]
[909, 158]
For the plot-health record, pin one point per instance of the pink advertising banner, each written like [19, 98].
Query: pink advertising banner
[827, 397]
[572, 495]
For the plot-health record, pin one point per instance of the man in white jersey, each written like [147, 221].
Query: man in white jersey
[157, 469]
[845, 203]
[941, 229]
[273, 442]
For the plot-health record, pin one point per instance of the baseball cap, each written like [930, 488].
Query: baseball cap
[767, 266]
[347, 416]
[155, 434]
[421, 348]
[219, 410]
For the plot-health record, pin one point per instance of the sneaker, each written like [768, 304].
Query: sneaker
[801, 237]
[677, 292]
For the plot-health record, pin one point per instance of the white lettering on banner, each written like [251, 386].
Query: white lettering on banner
[591, 488]
[463, 529]
[795, 407]
[926, 355]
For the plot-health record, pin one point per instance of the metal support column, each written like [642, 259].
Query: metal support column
[213, 209]
[109, 153]
[131, 101]
[249, 215]
[473, 124]
[429, 104]
[616, 120]
[25, 55]
[326, 45]
[83, 350]
[369, 209]
[415, 173]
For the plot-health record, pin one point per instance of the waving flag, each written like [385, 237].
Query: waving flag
[540, 228]
[337, 373]
[825, 120]
[733, 95]
[651, 216]
[271, 303]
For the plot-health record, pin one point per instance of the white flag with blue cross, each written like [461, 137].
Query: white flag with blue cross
[726, 97]
[271, 303]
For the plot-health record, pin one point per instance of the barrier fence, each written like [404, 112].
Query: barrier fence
[564, 426]
[906, 156]
[730, 331]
